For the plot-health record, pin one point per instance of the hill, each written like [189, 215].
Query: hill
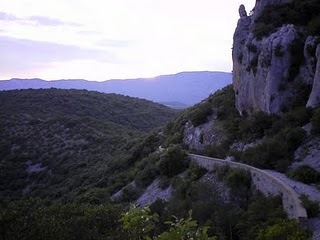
[65, 143]
[184, 89]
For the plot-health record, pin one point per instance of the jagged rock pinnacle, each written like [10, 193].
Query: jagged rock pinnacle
[242, 11]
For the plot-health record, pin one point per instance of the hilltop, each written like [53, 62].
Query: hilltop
[182, 89]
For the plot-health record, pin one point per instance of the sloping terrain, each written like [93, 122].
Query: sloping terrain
[70, 143]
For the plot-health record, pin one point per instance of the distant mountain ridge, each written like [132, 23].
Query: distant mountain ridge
[183, 89]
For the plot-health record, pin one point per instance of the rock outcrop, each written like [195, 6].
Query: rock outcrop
[200, 137]
[314, 99]
[266, 68]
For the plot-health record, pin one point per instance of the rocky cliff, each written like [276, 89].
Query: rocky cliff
[276, 55]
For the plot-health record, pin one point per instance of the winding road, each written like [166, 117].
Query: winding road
[289, 190]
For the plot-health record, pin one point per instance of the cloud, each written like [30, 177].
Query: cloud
[41, 20]
[18, 55]
[47, 21]
[8, 17]
[113, 43]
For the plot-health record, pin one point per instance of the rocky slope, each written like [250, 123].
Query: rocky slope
[275, 51]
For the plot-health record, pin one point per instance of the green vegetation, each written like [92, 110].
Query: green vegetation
[299, 12]
[76, 153]
[37, 220]
[279, 136]
[241, 216]
[140, 223]
[312, 207]
[315, 121]
[305, 174]
[238, 180]
[288, 230]
[222, 102]
[73, 145]
[173, 161]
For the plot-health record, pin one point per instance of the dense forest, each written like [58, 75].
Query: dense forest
[70, 144]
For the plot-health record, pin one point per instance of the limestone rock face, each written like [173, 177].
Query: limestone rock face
[207, 134]
[260, 68]
[265, 69]
[308, 70]
[314, 100]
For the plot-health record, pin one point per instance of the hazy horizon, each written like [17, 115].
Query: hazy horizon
[113, 79]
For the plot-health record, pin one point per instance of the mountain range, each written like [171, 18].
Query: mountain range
[177, 91]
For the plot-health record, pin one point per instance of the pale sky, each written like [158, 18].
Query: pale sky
[105, 39]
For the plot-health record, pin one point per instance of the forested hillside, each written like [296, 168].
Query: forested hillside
[76, 170]
[70, 144]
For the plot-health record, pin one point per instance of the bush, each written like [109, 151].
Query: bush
[255, 126]
[238, 179]
[283, 229]
[313, 208]
[217, 151]
[299, 12]
[314, 26]
[200, 114]
[147, 170]
[304, 174]
[173, 161]
[315, 122]
[293, 137]
[147, 175]
[195, 172]
[271, 153]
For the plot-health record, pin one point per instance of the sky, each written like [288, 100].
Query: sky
[115, 39]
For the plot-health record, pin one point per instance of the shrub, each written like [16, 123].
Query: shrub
[299, 12]
[200, 114]
[315, 122]
[238, 179]
[312, 207]
[271, 153]
[304, 174]
[283, 229]
[147, 175]
[147, 170]
[217, 151]
[255, 126]
[195, 172]
[173, 161]
[294, 137]
[314, 26]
